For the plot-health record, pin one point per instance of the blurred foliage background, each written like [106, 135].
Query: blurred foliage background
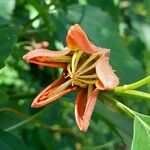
[121, 25]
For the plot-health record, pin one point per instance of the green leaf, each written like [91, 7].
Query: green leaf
[104, 33]
[147, 6]
[3, 96]
[7, 40]
[6, 8]
[110, 6]
[118, 122]
[10, 142]
[42, 9]
[141, 136]
[142, 29]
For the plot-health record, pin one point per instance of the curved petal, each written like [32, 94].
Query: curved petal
[106, 74]
[48, 64]
[46, 57]
[45, 53]
[77, 39]
[99, 85]
[84, 108]
[54, 91]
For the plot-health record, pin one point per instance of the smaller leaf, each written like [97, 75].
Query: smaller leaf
[141, 135]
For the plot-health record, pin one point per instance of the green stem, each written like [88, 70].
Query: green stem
[24, 121]
[119, 105]
[132, 86]
[12, 111]
[134, 93]
[34, 120]
[23, 43]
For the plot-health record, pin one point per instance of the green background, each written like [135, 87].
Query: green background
[120, 25]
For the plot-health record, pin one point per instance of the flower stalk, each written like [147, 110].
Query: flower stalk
[132, 86]
[128, 90]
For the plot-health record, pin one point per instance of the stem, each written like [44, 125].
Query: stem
[119, 105]
[104, 146]
[135, 93]
[24, 121]
[132, 86]
[20, 114]
[34, 120]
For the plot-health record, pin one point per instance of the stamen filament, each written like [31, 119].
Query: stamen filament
[87, 61]
[82, 85]
[69, 70]
[56, 59]
[73, 62]
[87, 81]
[89, 68]
[90, 90]
[89, 76]
[79, 54]
[60, 88]
[55, 90]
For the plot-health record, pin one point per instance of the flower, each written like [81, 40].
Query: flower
[85, 67]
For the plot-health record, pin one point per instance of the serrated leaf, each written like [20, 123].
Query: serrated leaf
[141, 136]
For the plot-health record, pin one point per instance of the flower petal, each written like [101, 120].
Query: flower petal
[106, 74]
[46, 57]
[99, 85]
[54, 91]
[77, 39]
[84, 108]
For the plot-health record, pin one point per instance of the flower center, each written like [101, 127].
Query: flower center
[82, 69]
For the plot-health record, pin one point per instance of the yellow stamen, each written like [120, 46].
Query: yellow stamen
[89, 76]
[87, 61]
[79, 54]
[69, 70]
[73, 61]
[87, 81]
[60, 88]
[90, 90]
[82, 85]
[56, 59]
[77, 75]
[89, 68]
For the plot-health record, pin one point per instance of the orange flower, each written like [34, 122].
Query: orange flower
[85, 68]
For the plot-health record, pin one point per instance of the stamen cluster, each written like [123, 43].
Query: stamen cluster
[81, 70]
